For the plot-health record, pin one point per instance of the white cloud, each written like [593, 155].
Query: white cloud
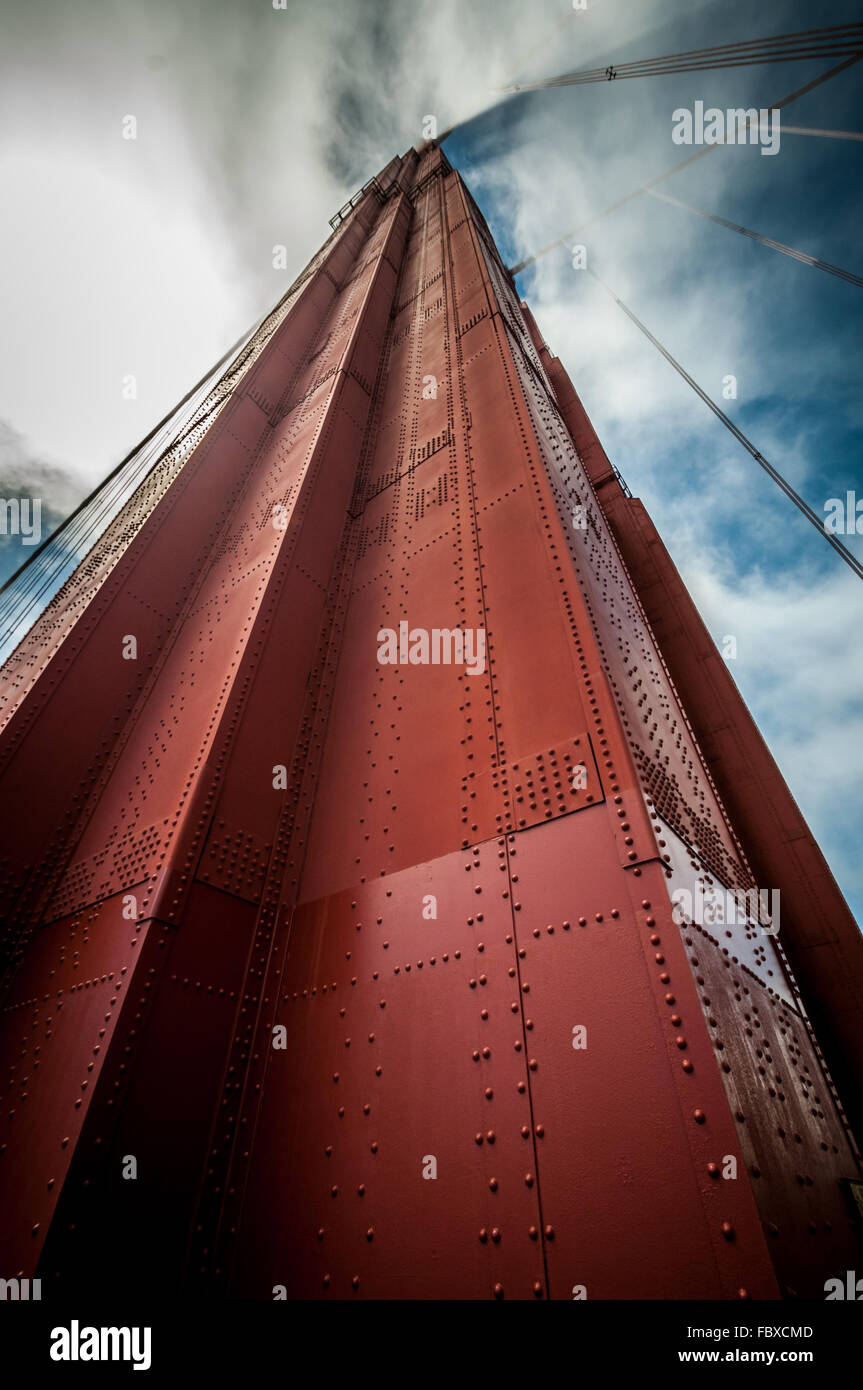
[151, 256]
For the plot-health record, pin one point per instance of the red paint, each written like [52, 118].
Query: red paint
[411, 1034]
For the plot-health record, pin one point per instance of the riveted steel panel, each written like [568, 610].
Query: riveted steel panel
[623, 1161]
[304, 924]
[396, 1120]
[56, 1029]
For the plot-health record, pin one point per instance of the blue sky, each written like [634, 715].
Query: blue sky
[255, 126]
[721, 304]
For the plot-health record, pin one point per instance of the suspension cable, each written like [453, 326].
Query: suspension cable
[814, 130]
[800, 504]
[780, 48]
[699, 154]
[43, 569]
[847, 275]
[100, 486]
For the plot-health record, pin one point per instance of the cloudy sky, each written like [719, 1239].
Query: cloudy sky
[149, 256]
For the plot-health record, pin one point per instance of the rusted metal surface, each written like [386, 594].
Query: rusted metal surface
[400, 1007]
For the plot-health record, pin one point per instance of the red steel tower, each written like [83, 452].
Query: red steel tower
[364, 788]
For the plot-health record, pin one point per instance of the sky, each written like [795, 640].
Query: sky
[147, 257]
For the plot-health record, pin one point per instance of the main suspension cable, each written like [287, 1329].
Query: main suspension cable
[780, 48]
[699, 154]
